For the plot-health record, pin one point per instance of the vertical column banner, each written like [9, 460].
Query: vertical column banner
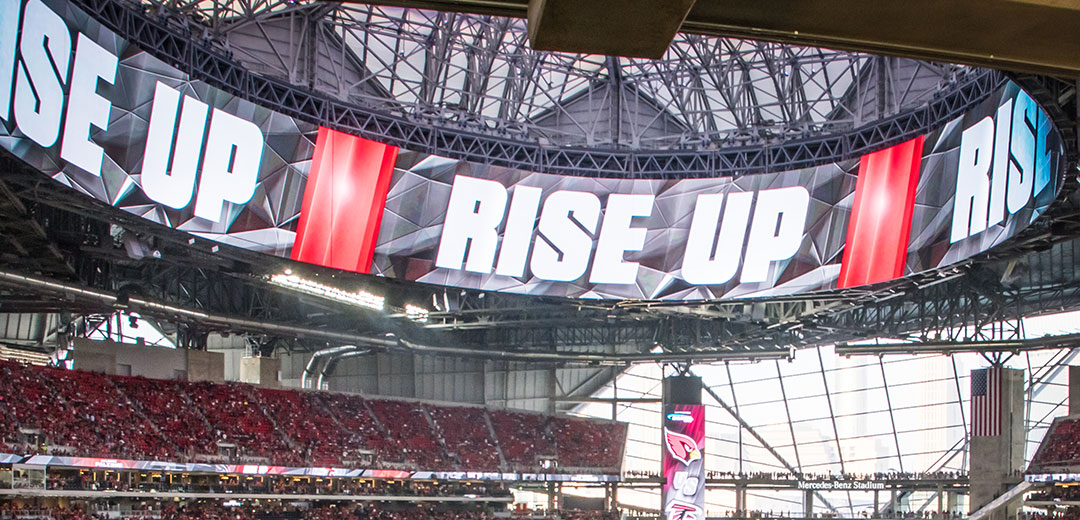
[880, 223]
[343, 201]
[684, 462]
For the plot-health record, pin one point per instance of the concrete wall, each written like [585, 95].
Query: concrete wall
[994, 460]
[205, 366]
[233, 348]
[154, 362]
[261, 371]
[492, 383]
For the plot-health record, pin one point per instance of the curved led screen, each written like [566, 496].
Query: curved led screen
[99, 116]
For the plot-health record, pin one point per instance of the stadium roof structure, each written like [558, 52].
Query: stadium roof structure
[467, 86]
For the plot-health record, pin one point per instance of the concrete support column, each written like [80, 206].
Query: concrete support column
[993, 459]
[808, 503]
[953, 500]
[1074, 390]
[262, 371]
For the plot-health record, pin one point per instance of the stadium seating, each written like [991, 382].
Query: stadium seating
[165, 404]
[409, 436]
[466, 433]
[86, 414]
[524, 438]
[1060, 446]
[312, 427]
[78, 411]
[237, 419]
[588, 441]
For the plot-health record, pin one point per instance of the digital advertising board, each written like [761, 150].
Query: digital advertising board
[97, 115]
[260, 469]
[683, 462]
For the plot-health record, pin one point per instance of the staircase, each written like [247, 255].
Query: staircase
[142, 415]
[495, 438]
[198, 411]
[254, 398]
[439, 437]
[375, 419]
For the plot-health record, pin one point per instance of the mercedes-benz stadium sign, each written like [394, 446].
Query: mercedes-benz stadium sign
[83, 106]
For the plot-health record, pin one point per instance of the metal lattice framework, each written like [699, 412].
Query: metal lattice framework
[882, 101]
[466, 86]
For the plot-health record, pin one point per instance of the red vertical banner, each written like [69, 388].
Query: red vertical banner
[880, 224]
[343, 201]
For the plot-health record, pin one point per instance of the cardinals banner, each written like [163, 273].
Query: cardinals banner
[684, 462]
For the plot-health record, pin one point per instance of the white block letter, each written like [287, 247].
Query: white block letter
[519, 231]
[1042, 156]
[561, 252]
[617, 237]
[972, 183]
[713, 258]
[230, 168]
[39, 94]
[85, 106]
[1001, 164]
[473, 216]
[9, 39]
[173, 187]
[776, 233]
[1022, 169]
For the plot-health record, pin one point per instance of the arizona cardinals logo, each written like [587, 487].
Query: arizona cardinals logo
[683, 448]
[680, 511]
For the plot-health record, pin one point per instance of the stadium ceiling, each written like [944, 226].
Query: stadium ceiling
[692, 112]
[467, 86]
[999, 33]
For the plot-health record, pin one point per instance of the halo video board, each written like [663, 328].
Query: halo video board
[99, 116]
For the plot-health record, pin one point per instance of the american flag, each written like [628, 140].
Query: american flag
[986, 401]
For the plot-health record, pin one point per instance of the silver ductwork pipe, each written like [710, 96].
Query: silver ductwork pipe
[309, 369]
[388, 342]
[328, 366]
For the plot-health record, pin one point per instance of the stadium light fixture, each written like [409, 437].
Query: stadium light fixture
[357, 298]
[415, 313]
